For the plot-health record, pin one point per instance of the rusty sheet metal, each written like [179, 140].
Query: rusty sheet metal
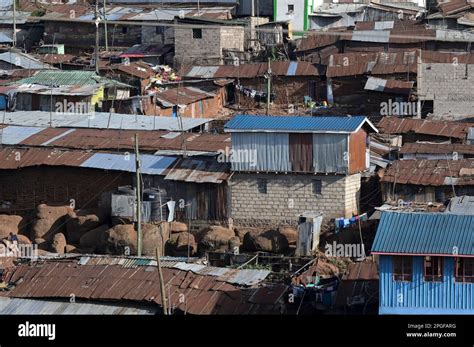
[279, 68]
[199, 171]
[395, 125]
[377, 63]
[136, 69]
[56, 58]
[109, 139]
[446, 58]
[361, 271]
[182, 96]
[202, 294]
[431, 172]
[314, 41]
[437, 148]
[388, 86]
[454, 6]
[14, 158]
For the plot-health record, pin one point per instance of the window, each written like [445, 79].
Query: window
[197, 33]
[291, 9]
[434, 269]
[262, 186]
[464, 270]
[317, 187]
[124, 30]
[159, 30]
[402, 268]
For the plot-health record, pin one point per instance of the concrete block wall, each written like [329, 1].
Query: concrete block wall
[352, 196]
[288, 196]
[450, 86]
[197, 51]
[232, 38]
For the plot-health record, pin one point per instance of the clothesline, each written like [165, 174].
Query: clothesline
[343, 223]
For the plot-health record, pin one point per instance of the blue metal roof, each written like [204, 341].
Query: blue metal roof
[425, 233]
[150, 164]
[340, 124]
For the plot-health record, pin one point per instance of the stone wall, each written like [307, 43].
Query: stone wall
[290, 195]
[450, 86]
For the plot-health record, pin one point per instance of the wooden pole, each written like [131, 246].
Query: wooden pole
[269, 87]
[138, 197]
[162, 285]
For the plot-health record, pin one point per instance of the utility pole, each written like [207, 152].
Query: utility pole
[139, 196]
[162, 284]
[269, 87]
[14, 24]
[97, 21]
[105, 29]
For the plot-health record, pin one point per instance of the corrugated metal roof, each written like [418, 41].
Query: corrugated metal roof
[199, 171]
[70, 77]
[13, 158]
[98, 139]
[15, 135]
[14, 306]
[371, 36]
[23, 60]
[388, 86]
[396, 125]
[425, 233]
[204, 294]
[437, 148]
[244, 123]
[431, 172]
[63, 78]
[150, 164]
[279, 68]
[181, 96]
[101, 120]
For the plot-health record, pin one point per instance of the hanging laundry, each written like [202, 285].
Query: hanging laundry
[342, 223]
[254, 94]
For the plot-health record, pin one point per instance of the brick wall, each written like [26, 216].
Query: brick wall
[450, 86]
[289, 195]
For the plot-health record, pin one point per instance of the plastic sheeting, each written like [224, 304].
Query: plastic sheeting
[260, 152]
[330, 153]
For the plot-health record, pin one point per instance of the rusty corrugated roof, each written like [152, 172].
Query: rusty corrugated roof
[395, 125]
[437, 148]
[447, 58]
[14, 158]
[199, 171]
[109, 139]
[454, 6]
[279, 68]
[431, 172]
[202, 294]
